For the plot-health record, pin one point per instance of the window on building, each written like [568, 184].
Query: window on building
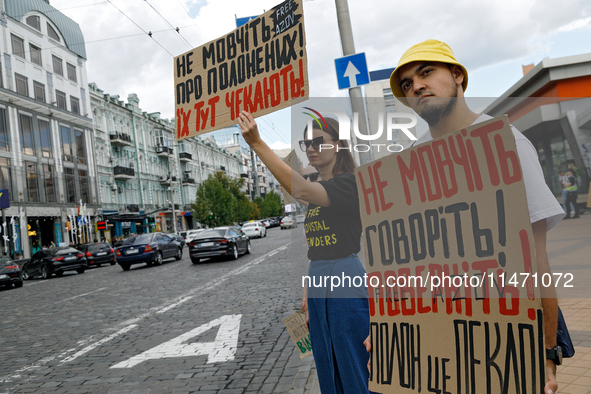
[71, 71]
[35, 54]
[45, 136]
[26, 123]
[32, 187]
[39, 91]
[60, 99]
[52, 33]
[160, 138]
[5, 172]
[58, 67]
[18, 46]
[70, 185]
[4, 135]
[22, 84]
[34, 21]
[107, 193]
[80, 146]
[66, 143]
[75, 105]
[50, 186]
[83, 186]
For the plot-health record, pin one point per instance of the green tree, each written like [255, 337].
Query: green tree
[220, 201]
[271, 205]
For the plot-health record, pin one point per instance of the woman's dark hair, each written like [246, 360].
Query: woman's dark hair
[345, 161]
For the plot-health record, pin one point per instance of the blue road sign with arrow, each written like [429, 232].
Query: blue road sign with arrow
[352, 71]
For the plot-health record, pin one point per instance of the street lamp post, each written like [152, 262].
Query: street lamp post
[171, 193]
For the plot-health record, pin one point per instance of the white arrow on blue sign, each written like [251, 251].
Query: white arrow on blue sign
[352, 71]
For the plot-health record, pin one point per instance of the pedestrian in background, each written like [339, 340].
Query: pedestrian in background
[572, 192]
[339, 319]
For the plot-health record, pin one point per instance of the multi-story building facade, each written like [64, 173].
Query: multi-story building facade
[551, 106]
[144, 176]
[230, 138]
[46, 151]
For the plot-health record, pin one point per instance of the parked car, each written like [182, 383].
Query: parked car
[219, 241]
[288, 222]
[56, 261]
[150, 248]
[177, 238]
[254, 229]
[98, 253]
[266, 222]
[10, 273]
[300, 219]
[274, 222]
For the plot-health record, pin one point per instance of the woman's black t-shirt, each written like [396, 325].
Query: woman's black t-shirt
[334, 232]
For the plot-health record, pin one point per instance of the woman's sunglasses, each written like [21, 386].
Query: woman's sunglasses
[315, 142]
[313, 176]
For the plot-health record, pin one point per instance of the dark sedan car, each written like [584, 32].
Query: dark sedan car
[219, 241]
[98, 253]
[56, 261]
[177, 238]
[10, 273]
[149, 248]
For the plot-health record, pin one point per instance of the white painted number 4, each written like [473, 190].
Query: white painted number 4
[222, 349]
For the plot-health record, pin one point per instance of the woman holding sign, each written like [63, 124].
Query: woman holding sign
[338, 312]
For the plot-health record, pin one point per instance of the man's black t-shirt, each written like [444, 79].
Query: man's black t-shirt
[334, 232]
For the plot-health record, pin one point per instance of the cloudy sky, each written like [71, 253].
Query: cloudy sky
[491, 39]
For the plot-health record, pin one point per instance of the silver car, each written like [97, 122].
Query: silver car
[254, 229]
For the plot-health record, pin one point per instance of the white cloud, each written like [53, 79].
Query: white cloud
[280, 145]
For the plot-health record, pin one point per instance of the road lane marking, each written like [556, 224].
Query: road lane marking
[36, 283]
[132, 323]
[222, 349]
[82, 295]
[97, 344]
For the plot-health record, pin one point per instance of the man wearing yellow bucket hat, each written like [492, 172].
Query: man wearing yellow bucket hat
[432, 82]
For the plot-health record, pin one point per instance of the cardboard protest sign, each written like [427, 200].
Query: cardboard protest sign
[299, 333]
[452, 276]
[294, 163]
[260, 67]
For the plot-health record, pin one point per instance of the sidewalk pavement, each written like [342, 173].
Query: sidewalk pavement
[569, 250]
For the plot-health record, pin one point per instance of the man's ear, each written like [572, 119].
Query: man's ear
[457, 74]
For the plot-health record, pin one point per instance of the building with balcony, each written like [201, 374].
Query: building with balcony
[231, 139]
[142, 171]
[47, 160]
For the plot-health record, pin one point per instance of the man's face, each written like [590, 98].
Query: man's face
[431, 88]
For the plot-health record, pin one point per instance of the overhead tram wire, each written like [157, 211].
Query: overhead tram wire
[196, 25]
[177, 29]
[104, 39]
[148, 33]
[282, 139]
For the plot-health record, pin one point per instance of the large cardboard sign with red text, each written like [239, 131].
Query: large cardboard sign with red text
[455, 209]
[260, 67]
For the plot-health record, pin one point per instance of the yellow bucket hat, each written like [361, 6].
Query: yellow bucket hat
[426, 51]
